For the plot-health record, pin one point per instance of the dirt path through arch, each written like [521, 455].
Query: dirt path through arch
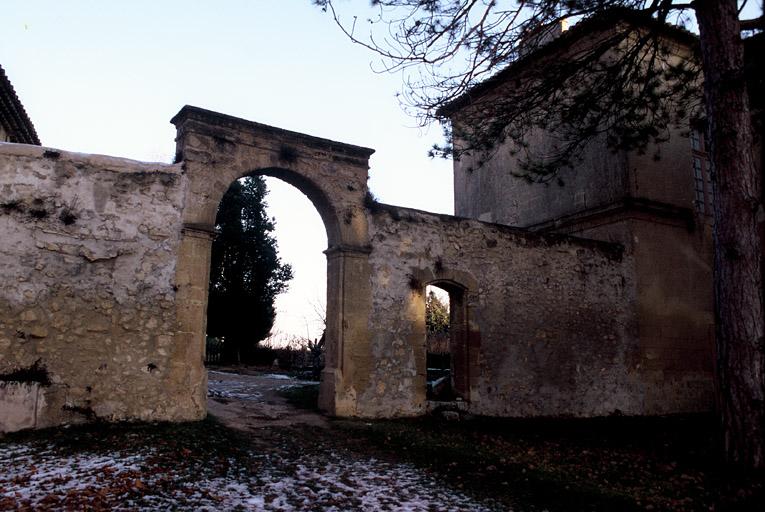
[247, 399]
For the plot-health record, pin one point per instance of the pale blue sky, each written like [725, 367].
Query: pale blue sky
[106, 77]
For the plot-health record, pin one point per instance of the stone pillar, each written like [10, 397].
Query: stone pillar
[473, 344]
[347, 357]
[192, 278]
[460, 350]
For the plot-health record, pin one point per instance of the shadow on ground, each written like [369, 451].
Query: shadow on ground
[279, 454]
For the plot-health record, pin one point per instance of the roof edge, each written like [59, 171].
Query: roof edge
[600, 21]
[12, 110]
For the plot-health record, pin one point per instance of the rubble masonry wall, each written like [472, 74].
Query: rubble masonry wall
[88, 248]
[551, 318]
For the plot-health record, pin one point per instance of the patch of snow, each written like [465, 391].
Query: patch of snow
[297, 384]
[31, 475]
[279, 376]
[233, 389]
[333, 484]
[218, 372]
[37, 475]
[319, 481]
[248, 387]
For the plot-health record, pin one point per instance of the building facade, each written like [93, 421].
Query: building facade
[657, 203]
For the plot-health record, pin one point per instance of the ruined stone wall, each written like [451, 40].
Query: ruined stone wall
[104, 269]
[88, 248]
[552, 320]
[646, 205]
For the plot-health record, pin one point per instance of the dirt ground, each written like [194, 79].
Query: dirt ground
[251, 399]
[257, 452]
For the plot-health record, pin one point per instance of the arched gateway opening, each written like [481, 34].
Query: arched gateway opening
[267, 278]
[216, 150]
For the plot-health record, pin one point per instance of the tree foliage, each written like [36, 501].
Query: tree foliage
[246, 273]
[436, 315]
[626, 87]
[437, 339]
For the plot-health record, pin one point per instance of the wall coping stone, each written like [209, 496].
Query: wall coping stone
[103, 162]
[612, 250]
[209, 117]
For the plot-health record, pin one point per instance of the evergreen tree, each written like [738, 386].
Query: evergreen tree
[246, 273]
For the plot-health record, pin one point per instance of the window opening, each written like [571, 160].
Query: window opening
[438, 358]
[266, 303]
[447, 360]
[703, 199]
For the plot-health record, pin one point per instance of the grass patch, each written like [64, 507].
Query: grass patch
[618, 464]
[572, 464]
[303, 397]
[197, 439]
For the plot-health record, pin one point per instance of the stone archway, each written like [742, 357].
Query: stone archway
[215, 150]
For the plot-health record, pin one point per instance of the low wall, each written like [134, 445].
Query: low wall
[87, 296]
[551, 318]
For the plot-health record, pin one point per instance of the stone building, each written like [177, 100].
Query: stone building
[656, 203]
[582, 300]
[15, 125]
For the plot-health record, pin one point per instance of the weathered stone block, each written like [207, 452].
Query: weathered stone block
[18, 405]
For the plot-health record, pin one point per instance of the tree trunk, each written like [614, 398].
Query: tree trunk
[738, 266]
